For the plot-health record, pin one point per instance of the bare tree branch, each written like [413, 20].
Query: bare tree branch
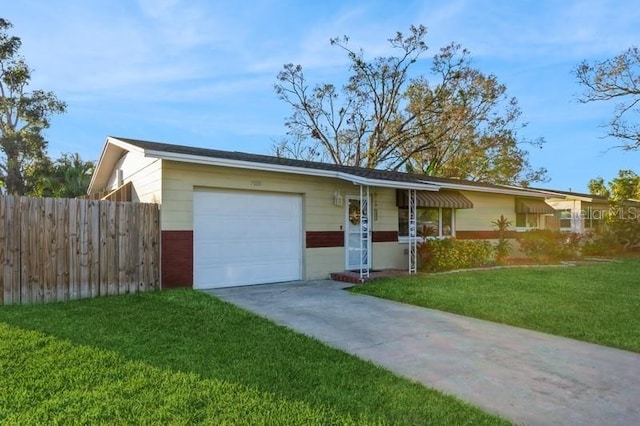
[383, 118]
[617, 79]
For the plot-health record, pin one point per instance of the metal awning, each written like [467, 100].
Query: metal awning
[447, 199]
[533, 206]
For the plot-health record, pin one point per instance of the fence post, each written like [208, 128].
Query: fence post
[63, 249]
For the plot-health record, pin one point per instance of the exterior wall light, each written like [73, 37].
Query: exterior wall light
[337, 198]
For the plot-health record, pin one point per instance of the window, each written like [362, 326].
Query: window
[527, 220]
[565, 219]
[447, 222]
[430, 221]
[594, 219]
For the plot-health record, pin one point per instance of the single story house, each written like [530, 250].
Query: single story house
[585, 213]
[232, 218]
[577, 212]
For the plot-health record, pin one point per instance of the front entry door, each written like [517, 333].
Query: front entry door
[357, 235]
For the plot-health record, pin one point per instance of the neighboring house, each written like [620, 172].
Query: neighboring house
[576, 212]
[585, 213]
[231, 218]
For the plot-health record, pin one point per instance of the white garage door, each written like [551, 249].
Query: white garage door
[242, 238]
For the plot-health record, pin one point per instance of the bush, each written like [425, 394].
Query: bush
[447, 254]
[547, 245]
[618, 236]
[503, 246]
[599, 245]
[624, 234]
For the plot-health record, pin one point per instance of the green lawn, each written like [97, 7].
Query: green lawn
[181, 357]
[597, 303]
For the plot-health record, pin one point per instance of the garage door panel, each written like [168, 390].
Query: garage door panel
[246, 238]
[238, 273]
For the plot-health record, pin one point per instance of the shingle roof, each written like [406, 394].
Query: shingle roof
[267, 159]
[575, 194]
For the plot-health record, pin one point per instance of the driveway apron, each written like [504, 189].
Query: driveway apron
[526, 376]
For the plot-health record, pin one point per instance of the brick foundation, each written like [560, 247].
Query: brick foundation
[315, 239]
[177, 259]
[384, 236]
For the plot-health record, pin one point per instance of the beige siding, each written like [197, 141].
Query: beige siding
[384, 211]
[144, 173]
[319, 211]
[385, 218]
[487, 207]
[390, 255]
[179, 180]
[320, 262]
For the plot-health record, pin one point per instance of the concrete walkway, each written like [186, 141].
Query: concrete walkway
[526, 376]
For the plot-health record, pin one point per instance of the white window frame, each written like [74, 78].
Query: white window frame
[570, 219]
[526, 220]
[405, 238]
[588, 221]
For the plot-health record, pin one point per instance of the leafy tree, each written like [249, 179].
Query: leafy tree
[623, 221]
[598, 187]
[467, 125]
[616, 79]
[461, 125]
[625, 186]
[67, 177]
[23, 117]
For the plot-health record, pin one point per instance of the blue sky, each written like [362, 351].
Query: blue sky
[201, 72]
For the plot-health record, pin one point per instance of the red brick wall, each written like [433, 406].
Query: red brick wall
[317, 239]
[177, 259]
[177, 252]
[384, 236]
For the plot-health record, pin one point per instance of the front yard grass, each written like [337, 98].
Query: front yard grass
[598, 303]
[182, 357]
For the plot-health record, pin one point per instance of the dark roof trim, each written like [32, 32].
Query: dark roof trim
[592, 197]
[356, 175]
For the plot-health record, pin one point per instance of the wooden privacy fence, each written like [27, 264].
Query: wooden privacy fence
[63, 249]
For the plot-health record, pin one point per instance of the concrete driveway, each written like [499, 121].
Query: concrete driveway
[526, 376]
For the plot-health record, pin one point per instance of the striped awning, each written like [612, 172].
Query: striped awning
[447, 199]
[533, 206]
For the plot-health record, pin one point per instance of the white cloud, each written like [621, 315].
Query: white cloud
[179, 68]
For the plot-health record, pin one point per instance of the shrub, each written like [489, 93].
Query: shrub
[446, 254]
[548, 245]
[599, 245]
[618, 236]
[503, 246]
[623, 234]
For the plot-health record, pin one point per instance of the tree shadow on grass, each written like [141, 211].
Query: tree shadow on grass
[192, 332]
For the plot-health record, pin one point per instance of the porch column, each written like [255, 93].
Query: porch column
[364, 233]
[413, 237]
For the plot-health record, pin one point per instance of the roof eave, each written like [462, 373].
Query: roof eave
[111, 153]
[572, 197]
[505, 191]
[223, 162]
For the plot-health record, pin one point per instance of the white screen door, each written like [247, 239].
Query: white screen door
[357, 245]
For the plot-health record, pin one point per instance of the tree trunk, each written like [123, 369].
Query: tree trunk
[14, 181]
